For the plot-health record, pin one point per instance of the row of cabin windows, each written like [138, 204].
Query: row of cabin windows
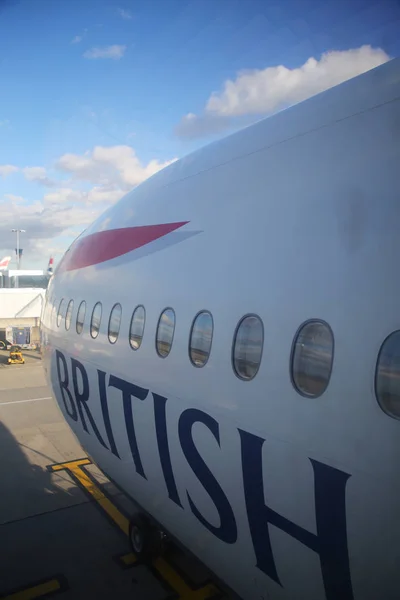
[311, 357]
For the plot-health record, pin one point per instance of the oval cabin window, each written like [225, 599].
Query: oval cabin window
[387, 376]
[114, 323]
[80, 317]
[248, 347]
[96, 320]
[201, 339]
[68, 315]
[312, 358]
[165, 332]
[137, 327]
[60, 312]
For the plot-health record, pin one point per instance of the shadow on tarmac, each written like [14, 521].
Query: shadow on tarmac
[39, 518]
[25, 485]
[32, 354]
[3, 357]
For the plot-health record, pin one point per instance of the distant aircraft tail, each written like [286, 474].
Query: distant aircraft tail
[50, 267]
[4, 263]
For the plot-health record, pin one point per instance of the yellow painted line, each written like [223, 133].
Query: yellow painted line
[74, 467]
[166, 571]
[169, 574]
[36, 591]
[70, 464]
[128, 559]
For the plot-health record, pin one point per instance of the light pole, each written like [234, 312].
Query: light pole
[17, 231]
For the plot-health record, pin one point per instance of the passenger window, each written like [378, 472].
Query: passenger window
[114, 323]
[96, 320]
[165, 332]
[137, 327]
[312, 358]
[60, 312]
[387, 376]
[201, 339]
[68, 315]
[248, 347]
[80, 317]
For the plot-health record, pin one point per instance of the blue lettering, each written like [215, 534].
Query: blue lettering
[128, 390]
[330, 542]
[227, 531]
[83, 397]
[63, 383]
[163, 447]
[104, 409]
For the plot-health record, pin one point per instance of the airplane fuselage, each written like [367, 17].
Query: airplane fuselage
[263, 449]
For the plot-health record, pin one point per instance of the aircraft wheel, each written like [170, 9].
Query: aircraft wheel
[145, 539]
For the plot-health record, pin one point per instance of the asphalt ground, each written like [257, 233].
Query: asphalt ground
[63, 524]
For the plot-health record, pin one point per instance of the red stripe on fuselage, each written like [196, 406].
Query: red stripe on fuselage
[105, 245]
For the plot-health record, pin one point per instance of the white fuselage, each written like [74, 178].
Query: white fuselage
[283, 496]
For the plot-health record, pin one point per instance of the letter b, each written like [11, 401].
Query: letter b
[63, 383]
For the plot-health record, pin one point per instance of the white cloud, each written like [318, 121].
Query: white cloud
[38, 174]
[263, 91]
[62, 213]
[14, 198]
[6, 170]
[42, 248]
[45, 223]
[78, 38]
[4, 122]
[115, 52]
[62, 196]
[104, 195]
[110, 165]
[125, 14]
[192, 126]
[97, 195]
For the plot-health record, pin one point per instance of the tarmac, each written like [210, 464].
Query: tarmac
[63, 524]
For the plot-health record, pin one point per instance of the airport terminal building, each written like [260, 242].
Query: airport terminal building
[21, 307]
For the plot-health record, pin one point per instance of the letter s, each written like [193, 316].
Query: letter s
[227, 531]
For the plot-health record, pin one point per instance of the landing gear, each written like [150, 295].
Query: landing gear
[145, 539]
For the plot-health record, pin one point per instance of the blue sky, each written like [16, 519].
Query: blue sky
[122, 77]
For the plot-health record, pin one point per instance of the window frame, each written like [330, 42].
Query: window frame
[387, 413]
[173, 333]
[200, 312]
[109, 321]
[247, 379]
[293, 350]
[77, 315]
[53, 315]
[70, 303]
[91, 320]
[144, 325]
[59, 315]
